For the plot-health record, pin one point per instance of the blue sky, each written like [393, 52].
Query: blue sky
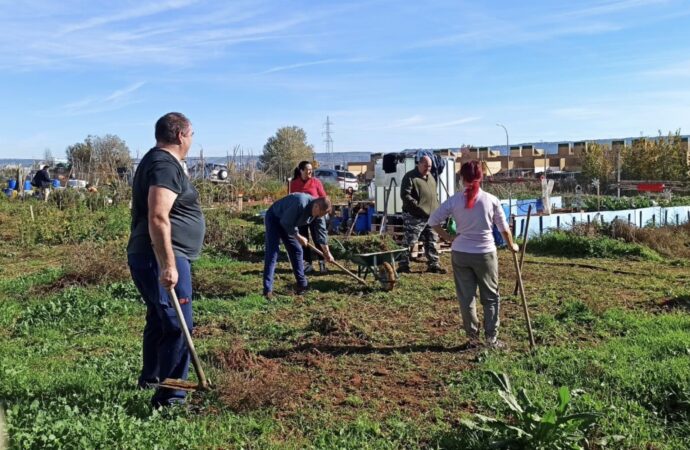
[390, 74]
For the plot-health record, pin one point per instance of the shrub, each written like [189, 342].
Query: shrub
[228, 234]
[73, 225]
[571, 244]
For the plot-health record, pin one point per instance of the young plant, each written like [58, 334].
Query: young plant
[530, 427]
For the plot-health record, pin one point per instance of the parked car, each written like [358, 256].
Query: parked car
[340, 178]
[210, 171]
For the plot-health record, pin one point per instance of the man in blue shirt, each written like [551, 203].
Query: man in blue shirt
[282, 221]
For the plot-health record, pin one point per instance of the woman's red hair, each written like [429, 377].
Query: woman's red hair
[471, 173]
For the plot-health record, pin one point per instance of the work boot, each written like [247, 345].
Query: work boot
[473, 341]
[308, 269]
[301, 290]
[268, 295]
[437, 269]
[322, 268]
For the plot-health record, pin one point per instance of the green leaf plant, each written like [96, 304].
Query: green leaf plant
[531, 427]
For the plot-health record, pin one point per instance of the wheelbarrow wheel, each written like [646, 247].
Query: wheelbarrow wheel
[387, 276]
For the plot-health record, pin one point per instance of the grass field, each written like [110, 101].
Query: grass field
[342, 367]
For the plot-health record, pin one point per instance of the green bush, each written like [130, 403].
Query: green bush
[230, 235]
[73, 225]
[568, 244]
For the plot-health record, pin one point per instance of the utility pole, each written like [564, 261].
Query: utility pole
[510, 188]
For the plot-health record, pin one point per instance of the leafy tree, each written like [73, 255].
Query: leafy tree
[284, 151]
[99, 156]
[662, 158]
[599, 161]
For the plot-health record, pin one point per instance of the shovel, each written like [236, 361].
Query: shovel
[184, 385]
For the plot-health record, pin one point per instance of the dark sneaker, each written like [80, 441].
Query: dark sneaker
[301, 290]
[308, 268]
[147, 384]
[404, 269]
[437, 269]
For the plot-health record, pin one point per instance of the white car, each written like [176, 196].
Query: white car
[340, 178]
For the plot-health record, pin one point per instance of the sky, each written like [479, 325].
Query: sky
[390, 75]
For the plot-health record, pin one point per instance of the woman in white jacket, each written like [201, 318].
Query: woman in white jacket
[474, 259]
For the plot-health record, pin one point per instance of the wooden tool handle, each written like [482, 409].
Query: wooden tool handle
[320, 253]
[203, 381]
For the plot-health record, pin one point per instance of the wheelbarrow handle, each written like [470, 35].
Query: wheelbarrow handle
[320, 253]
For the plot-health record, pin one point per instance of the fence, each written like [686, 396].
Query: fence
[654, 216]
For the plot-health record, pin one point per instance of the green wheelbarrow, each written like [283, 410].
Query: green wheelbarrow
[381, 265]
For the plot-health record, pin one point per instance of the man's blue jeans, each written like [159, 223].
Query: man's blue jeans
[165, 352]
[274, 234]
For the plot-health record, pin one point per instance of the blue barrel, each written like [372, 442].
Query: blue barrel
[27, 185]
[56, 183]
[362, 224]
[12, 184]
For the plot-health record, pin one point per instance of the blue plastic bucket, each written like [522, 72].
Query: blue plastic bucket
[12, 184]
[27, 185]
[56, 183]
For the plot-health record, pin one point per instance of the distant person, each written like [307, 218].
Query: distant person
[282, 222]
[418, 191]
[303, 181]
[474, 258]
[42, 182]
[166, 236]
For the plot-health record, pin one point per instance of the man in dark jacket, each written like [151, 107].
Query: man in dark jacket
[42, 182]
[282, 221]
[418, 191]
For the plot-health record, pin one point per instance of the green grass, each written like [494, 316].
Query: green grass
[615, 331]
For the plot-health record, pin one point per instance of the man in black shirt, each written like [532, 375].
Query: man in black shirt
[167, 233]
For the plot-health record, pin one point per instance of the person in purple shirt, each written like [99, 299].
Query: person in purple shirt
[474, 258]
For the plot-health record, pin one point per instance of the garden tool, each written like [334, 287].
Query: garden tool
[524, 300]
[524, 246]
[319, 252]
[204, 384]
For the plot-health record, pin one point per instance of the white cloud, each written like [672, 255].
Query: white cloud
[95, 104]
[134, 13]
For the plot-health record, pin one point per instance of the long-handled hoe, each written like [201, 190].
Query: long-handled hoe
[518, 273]
[318, 252]
[525, 237]
[204, 384]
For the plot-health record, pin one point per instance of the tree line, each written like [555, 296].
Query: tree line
[101, 157]
[663, 158]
